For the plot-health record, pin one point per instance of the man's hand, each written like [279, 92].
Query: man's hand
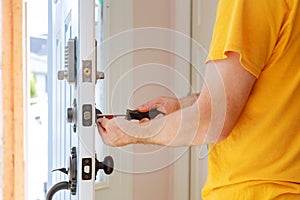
[115, 132]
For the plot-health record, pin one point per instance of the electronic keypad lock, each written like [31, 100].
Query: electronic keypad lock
[69, 73]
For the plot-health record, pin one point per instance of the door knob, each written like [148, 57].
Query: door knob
[107, 165]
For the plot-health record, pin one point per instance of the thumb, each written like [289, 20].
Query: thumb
[144, 120]
[143, 108]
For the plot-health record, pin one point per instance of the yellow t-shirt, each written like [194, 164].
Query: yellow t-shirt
[260, 159]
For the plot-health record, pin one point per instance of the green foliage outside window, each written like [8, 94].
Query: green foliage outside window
[33, 92]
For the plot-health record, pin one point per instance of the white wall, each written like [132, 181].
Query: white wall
[144, 73]
[157, 72]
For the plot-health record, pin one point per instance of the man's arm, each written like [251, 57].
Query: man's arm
[188, 100]
[224, 95]
[237, 83]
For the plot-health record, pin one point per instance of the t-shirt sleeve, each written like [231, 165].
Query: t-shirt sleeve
[250, 28]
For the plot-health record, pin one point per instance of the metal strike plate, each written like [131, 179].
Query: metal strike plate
[86, 169]
[86, 71]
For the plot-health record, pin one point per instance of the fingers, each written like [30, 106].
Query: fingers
[112, 134]
[102, 123]
[144, 120]
[144, 108]
[154, 103]
[102, 132]
[162, 103]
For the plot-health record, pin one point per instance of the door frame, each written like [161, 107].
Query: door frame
[203, 18]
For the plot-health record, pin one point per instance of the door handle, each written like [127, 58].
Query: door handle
[107, 165]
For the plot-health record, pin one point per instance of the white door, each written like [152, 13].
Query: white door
[72, 24]
[133, 178]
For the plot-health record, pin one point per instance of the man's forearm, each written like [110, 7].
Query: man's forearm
[188, 100]
[179, 128]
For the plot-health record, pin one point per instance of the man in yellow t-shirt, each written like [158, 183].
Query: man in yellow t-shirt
[260, 158]
[255, 50]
